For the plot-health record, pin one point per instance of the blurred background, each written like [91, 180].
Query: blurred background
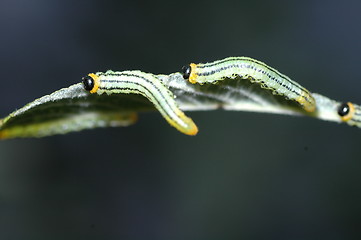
[244, 176]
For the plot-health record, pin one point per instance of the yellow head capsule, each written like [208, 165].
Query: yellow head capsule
[91, 83]
[189, 72]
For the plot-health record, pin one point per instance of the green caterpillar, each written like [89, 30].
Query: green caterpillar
[254, 71]
[137, 82]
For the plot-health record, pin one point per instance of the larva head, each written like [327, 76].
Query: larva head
[91, 82]
[189, 72]
[346, 111]
[186, 70]
[350, 113]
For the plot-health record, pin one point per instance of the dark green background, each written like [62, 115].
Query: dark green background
[244, 176]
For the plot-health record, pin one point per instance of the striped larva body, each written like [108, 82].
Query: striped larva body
[254, 71]
[146, 84]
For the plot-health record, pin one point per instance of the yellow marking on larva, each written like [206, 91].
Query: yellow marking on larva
[190, 129]
[96, 82]
[349, 116]
[193, 131]
[308, 106]
[193, 76]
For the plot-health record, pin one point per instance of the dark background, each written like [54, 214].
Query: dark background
[244, 176]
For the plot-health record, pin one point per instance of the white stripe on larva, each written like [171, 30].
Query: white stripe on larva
[254, 71]
[147, 85]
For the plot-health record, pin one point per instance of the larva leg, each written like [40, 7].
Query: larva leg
[253, 70]
[136, 82]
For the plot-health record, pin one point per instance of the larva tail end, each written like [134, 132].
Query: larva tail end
[192, 130]
[187, 126]
[307, 102]
[309, 107]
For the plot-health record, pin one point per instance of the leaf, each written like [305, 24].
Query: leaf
[74, 109]
[71, 109]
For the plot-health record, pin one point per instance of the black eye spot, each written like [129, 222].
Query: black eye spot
[186, 71]
[88, 83]
[343, 109]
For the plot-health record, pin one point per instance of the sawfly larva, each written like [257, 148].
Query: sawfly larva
[147, 85]
[254, 71]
